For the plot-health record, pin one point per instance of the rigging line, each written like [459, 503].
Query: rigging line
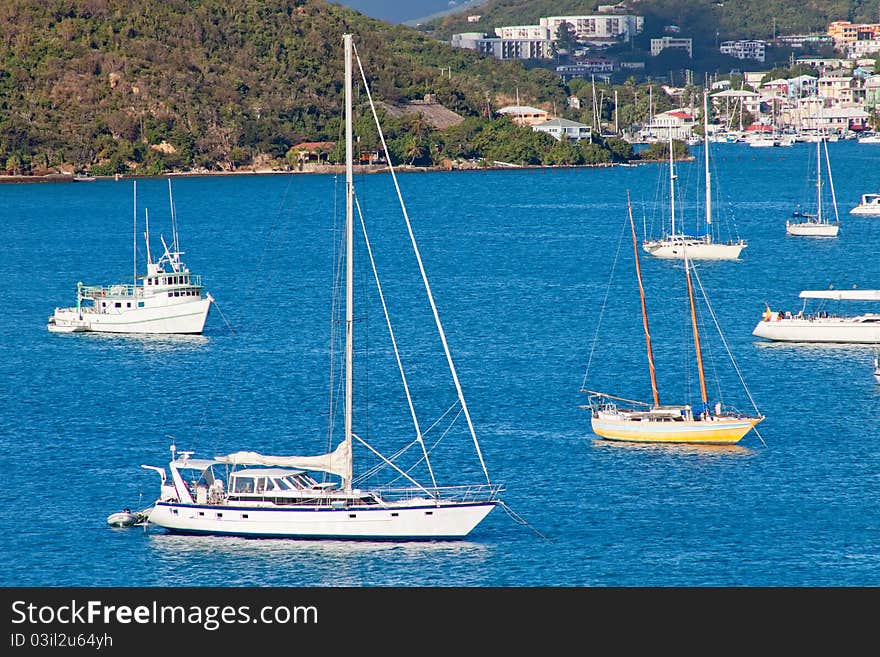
[518, 519]
[831, 184]
[724, 342]
[393, 465]
[379, 466]
[435, 444]
[409, 401]
[336, 236]
[400, 453]
[217, 306]
[418, 257]
[604, 304]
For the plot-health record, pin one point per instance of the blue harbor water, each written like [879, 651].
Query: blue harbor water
[519, 263]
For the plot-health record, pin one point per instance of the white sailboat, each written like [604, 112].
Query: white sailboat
[251, 494]
[621, 419]
[169, 299]
[705, 247]
[820, 325]
[818, 223]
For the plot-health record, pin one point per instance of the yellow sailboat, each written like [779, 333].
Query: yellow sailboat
[619, 418]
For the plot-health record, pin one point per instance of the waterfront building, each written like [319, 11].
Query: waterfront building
[680, 121]
[561, 129]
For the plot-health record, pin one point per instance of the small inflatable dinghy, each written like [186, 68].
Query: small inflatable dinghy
[127, 518]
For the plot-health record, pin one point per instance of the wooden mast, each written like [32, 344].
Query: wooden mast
[644, 308]
[690, 287]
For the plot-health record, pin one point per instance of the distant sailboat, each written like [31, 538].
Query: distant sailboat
[618, 418]
[705, 247]
[818, 223]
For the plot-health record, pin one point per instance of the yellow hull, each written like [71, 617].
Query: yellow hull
[712, 432]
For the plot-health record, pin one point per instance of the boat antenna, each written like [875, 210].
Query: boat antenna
[174, 243]
[147, 234]
[690, 289]
[349, 258]
[644, 308]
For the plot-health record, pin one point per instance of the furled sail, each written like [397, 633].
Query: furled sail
[337, 462]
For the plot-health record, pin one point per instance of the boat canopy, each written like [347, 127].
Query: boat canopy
[336, 462]
[848, 295]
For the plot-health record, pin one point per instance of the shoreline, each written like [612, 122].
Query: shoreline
[325, 169]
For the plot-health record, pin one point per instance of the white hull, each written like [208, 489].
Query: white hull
[811, 229]
[187, 317]
[696, 250]
[866, 210]
[393, 521]
[863, 329]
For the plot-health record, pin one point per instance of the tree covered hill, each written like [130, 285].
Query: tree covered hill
[158, 85]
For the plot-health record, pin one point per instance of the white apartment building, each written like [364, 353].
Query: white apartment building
[503, 48]
[603, 28]
[745, 49]
[561, 129]
[661, 44]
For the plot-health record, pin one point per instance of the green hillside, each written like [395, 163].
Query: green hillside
[154, 85]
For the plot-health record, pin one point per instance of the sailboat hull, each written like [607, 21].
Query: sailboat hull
[860, 329]
[718, 431]
[425, 521]
[811, 229]
[696, 249]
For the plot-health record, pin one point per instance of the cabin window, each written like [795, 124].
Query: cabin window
[282, 484]
[219, 515]
[103, 304]
[395, 514]
[128, 304]
[261, 484]
[118, 304]
[244, 516]
[243, 485]
[429, 513]
[352, 515]
[140, 304]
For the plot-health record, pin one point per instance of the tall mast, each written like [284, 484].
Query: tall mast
[671, 184]
[690, 287]
[819, 179]
[349, 257]
[134, 247]
[706, 158]
[644, 307]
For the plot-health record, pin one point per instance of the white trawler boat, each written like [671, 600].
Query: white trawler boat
[168, 299]
[251, 494]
